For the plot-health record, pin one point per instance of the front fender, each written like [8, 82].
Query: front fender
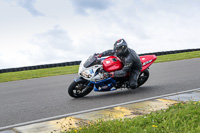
[79, 79]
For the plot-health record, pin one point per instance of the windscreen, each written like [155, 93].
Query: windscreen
[91, 61]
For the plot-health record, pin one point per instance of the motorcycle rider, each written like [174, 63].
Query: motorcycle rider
[129, 58]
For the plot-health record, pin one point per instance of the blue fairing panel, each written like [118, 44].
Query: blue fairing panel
[108, 83]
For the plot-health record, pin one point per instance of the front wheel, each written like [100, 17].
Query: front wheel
[80, 88]
[143, 77]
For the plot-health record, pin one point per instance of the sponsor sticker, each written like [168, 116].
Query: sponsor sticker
[147, 62]
[91, 71]
[108, 62]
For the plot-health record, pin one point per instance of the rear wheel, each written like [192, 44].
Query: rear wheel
[143, 77]
[80, 88]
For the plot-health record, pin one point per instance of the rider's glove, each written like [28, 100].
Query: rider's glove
[112, 74]
[97, 55]
[107, 75]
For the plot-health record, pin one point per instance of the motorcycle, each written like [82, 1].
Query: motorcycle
[91, 73]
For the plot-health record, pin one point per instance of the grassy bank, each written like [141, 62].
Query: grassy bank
[29, 74]
[12, 76]
[179, 118]
[179, 56]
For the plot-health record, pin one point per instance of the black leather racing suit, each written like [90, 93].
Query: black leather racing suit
[131, 63]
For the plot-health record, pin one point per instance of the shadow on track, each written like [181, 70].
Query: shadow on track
[118, 93]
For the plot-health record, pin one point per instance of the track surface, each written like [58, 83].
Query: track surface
[28, 100]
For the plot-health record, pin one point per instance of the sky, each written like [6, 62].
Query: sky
[34, 32]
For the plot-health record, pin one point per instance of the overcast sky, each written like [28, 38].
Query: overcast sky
[34, 32]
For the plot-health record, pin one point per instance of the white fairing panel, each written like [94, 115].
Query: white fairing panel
[90, 73]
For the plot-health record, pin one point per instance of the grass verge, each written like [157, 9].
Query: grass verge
[179, 118]
[179, 56]
[29, 74]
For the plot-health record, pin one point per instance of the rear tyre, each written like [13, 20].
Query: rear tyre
[143, 77]
[80, 88]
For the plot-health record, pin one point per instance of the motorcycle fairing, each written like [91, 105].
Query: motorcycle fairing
[147, 60]
[105, 85]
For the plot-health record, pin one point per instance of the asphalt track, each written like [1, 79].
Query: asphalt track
[28, 100]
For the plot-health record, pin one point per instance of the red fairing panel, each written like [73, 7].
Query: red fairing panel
[111, 64]
[147, 60]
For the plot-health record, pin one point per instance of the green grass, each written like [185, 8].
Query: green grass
[29, 74]
[179, 56]
[179, 118]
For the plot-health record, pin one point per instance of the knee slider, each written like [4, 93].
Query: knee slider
[133, 85]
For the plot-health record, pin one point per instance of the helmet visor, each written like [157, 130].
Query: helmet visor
[119, 49]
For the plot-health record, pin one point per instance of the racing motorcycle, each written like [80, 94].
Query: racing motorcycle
[91, 75]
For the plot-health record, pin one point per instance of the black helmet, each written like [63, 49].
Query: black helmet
[120, 47]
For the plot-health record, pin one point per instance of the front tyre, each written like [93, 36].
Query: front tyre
[143, 77]
[80, 88]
